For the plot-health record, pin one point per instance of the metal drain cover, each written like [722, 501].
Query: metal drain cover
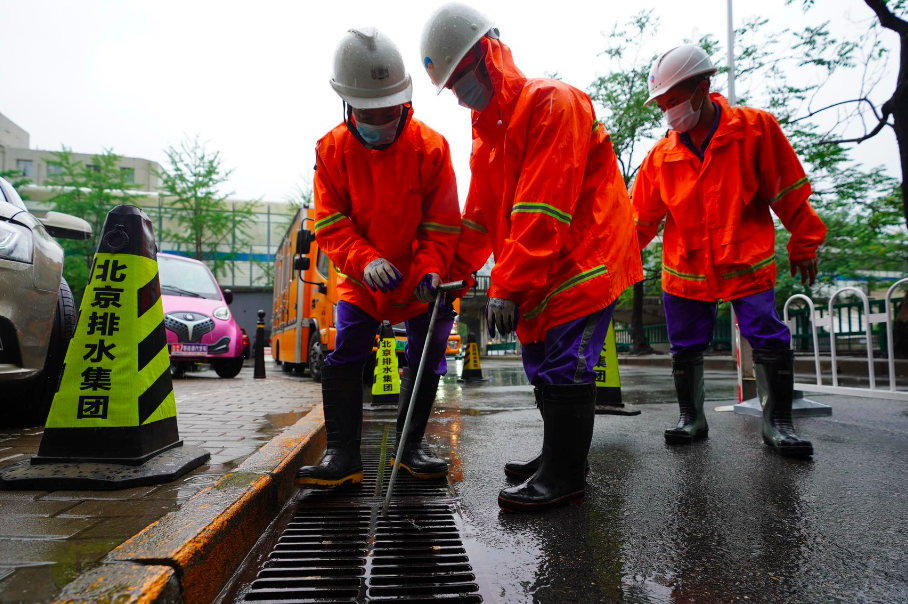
[337, 548]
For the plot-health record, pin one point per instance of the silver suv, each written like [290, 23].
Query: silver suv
[37, 313]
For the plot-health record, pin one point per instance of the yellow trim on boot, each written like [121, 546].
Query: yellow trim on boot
[422, 476]
[355, 478]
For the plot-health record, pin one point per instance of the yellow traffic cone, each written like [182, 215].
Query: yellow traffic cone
[608, 380]
[115, 405]
[472, 371]
[386, 377]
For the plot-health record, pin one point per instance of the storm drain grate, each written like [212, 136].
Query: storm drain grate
[338, 548]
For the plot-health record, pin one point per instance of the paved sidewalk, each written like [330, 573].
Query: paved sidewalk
[48, 538]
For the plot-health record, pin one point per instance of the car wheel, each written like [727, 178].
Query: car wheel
[228, 368]
[40, 391]
[316, 357]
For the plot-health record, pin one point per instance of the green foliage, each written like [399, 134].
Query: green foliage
[88, 191]
[18, 180]
[210, 228]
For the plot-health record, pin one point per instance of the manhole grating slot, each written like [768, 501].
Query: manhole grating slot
[338, 548]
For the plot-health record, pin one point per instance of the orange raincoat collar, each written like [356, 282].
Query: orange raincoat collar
[507, 82]
[730, 128]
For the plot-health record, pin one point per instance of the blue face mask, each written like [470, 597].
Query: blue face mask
[472, 93]
[381, 134]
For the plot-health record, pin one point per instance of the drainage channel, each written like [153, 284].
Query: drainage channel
[337, 547]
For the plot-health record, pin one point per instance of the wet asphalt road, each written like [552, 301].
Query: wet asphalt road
[723, 520]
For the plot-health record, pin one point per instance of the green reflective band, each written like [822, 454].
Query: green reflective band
[473, 225]
[787, 190]
[596, 125]
[688, 276]
[541, 208]
[326, 222]
[575, 280]
[338, 271]
[750, 269]
[441, 228]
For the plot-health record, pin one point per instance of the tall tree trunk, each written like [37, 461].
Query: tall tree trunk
[639, 343]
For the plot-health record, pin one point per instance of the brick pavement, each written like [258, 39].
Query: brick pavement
[48, 538]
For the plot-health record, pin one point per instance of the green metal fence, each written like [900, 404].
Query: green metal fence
[847, 320]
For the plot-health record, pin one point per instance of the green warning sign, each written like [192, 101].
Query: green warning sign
[607, 365]
[387, 378]
[117, 366]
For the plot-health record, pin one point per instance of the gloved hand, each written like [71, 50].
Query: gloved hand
[808, 268]
[501, 314]
[381, 274]
[427, 289]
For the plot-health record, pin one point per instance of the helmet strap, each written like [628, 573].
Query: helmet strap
[401, 124]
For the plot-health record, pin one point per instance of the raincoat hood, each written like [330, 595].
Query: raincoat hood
[507, 82]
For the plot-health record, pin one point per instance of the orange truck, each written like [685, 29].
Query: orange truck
[304, 306]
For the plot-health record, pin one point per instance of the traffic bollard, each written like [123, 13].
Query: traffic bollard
[260, 347]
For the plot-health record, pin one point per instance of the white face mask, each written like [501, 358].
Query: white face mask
[682, 117]
[378, 134]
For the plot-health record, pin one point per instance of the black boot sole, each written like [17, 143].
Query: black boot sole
[421, 475]
[785, 451]
[679, 438]
[354, 478]
[519, 507]
[517, 475]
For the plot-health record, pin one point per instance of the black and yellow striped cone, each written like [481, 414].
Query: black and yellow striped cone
[608, 380]
[472, 371]
[115, 403]
[386, 377]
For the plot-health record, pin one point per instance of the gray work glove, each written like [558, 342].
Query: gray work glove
[381, 274]
[501, 314]
[427, 289]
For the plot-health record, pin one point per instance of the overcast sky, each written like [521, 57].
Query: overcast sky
[252, 77]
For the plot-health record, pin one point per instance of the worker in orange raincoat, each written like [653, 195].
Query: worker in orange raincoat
[547, 198]
[387, 215]
[714, 178]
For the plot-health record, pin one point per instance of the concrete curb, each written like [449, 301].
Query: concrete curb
[189, 554]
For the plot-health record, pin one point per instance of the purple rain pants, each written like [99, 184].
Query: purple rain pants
[356, 331]
[691, 322]
[570, 351]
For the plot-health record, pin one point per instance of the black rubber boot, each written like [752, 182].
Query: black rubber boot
[687, 369]
[521, 470]
[342, 398]
[525, 469]
[569, 413]
[775, 383]
[416, 460]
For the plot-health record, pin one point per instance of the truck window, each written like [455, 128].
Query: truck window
[322, 265]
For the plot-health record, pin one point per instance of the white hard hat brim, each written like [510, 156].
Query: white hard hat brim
[457, 58]
[675, 81]
[378, 102]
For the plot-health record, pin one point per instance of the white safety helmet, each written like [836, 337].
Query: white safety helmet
[677, 65]
[369, 72]
[449, 34]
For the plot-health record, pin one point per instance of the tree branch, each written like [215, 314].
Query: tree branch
[860, 100]
[884, 120]
[886, 17]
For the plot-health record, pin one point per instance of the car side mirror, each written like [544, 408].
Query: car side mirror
[301, 263]
[304, 239]
[65, 226]
[228, 296]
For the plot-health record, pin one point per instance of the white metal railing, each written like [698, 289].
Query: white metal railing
[871, 319]
[889, 333]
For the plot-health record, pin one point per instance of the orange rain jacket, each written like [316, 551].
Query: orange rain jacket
[719, 238]
[547, 198]
[399, 204]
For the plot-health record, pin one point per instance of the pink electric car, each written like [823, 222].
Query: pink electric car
[200, 328]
